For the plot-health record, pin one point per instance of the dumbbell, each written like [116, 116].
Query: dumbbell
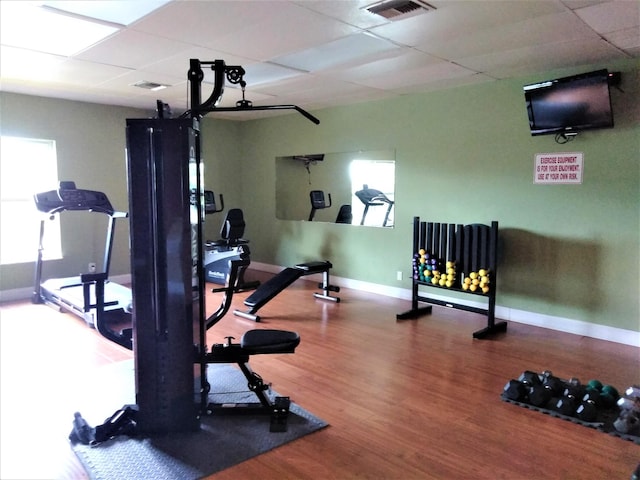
[520, 389]
[608, 394]
[535, 389]
[572, 393]
[529, 378]
[552, 383]
[587, 411]
[629, 420]
[515, 390]
[540, 394]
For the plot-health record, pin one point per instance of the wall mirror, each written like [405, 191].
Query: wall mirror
[356, 188]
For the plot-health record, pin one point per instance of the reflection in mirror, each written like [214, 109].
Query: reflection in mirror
[356, 188]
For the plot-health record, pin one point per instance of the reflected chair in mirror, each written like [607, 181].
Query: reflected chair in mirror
[345, 215]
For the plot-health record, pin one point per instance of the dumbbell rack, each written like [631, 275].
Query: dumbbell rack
[470, 248]
[603, 422]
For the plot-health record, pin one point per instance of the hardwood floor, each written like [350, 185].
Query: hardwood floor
[416, 399]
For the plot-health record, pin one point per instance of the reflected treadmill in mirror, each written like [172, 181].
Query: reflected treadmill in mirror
[370, 197]
[329, 188]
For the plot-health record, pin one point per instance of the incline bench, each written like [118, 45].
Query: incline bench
[272, 287]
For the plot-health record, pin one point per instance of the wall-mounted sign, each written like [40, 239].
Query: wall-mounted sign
[558, 167]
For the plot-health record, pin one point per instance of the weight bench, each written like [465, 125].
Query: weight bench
[254, 342]
[272, 287]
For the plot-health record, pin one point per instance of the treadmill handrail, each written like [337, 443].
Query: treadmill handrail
[99, 279]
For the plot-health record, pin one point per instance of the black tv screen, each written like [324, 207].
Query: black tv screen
[579, 102]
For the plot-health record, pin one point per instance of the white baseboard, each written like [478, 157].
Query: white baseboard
[567, 325]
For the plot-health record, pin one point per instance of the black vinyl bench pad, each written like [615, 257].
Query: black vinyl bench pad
[282, 280]
[265, 341]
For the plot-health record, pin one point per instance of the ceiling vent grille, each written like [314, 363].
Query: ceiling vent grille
[400, 9]
[150, 85]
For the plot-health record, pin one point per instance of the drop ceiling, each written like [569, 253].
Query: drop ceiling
[310, 53]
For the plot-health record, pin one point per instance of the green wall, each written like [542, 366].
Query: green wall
[463, 155]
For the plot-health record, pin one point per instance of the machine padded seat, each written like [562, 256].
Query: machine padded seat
[269, 341]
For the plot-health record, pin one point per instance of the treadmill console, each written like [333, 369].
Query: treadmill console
[68, 197]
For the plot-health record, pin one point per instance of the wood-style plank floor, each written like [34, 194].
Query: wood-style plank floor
[416, 399]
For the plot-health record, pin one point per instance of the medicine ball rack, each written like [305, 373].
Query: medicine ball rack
[466, 249]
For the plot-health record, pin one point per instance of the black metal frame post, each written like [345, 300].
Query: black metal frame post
[164, 201]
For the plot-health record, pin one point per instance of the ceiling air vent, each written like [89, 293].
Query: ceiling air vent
[150, 85]
[397, 9]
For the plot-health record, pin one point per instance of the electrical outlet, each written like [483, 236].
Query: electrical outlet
[399, 275]
[92, 267]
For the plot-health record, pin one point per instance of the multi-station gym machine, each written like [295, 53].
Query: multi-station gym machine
[166, 209]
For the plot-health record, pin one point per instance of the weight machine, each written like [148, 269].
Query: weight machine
[167, 207]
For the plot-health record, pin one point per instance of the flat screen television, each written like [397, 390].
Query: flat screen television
[569, 104]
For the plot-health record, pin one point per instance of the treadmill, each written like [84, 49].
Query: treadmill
[77, 294]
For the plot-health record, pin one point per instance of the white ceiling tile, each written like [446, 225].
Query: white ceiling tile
[126, 80]
[202, 22]
[612, 16]
[438, 71]
[25, 25]
[121, 12]
[542, 29]
[292, 29]
[634, 52]
[575, 4]
[307, 84]
[352, 48]
[409, 60]
[445, 83]
[28, 66]
[625, 39]
[239, 27]
[178, 65]
[260, 73]
[462, 18]
[79, 72]
[353, 12]
[132, 49]
[528, 60]
[43, 68]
